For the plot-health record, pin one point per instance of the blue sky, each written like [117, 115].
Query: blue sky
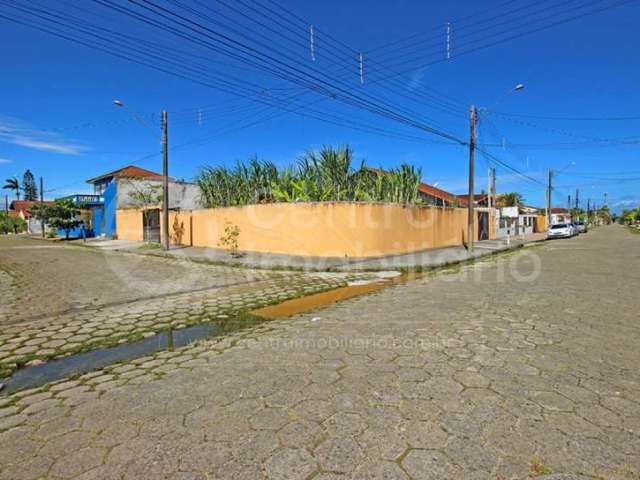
[57, 117]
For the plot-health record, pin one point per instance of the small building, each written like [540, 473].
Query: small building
[85, 203]
[560, 215]
[117, 189]
[21, 208]
[517, 220]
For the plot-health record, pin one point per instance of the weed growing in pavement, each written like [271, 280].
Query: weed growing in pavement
[537, 468]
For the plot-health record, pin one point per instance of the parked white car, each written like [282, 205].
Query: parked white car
[561, 230]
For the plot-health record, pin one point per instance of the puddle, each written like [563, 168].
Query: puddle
[318, 300]
[81, 363]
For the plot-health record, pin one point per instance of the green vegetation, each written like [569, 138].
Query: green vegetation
[229, 238]
[630, 217]
[29, 186]
[12, 184]
[61, 215]
[537, 468]
[512, 199]
[11, 224]
[327, 175]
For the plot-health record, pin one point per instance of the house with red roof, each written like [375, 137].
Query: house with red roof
[117, 188]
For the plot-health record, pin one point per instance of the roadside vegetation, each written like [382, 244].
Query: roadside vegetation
[318, 176]
[11, 224]
[61, 215]
[630, 217]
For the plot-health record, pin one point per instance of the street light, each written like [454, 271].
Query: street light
[165, 168]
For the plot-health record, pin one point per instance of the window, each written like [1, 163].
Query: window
[503, 223]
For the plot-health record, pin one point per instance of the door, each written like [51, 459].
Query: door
[151, 225]
[483, 225]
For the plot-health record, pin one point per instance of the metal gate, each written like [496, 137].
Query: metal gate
[483, 226]
[151, 225]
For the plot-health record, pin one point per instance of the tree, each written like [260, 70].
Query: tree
[61, 215]
[145, 194]
[13, 184]
[29, 186]
[512, 199]
[11, 224]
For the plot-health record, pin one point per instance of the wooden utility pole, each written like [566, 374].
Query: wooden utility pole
[549, 189]
[472, 147]
[165, 182]
[6, 203]
[41, 205]
[577, 198]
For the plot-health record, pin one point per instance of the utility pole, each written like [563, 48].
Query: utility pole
[165, 182]
[577, 198]
[493, 185]
[42, 205]
[472, 146]
[549, 199]
[491, 182]
[605, 198]
[569, 202]
[6, 203]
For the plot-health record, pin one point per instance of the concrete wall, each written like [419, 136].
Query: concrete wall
[182, 196]
[315, 229]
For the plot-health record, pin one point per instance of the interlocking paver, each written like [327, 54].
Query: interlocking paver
[444, 377]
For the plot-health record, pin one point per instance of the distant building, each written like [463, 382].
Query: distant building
[116, 190]
[21, 208]
[560, 215]
[518, 220]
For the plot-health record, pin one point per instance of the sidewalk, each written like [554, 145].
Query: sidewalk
[422, 260]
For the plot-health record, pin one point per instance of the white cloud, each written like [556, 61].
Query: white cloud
[20, 133]
[4, 160]
[416, 79]
[632, 202]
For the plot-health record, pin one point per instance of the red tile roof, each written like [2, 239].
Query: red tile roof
[23, 206]
[559, 210]
[129, 171]
[436, 192]
[477, 198]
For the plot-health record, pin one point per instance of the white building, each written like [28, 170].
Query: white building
[520, 220]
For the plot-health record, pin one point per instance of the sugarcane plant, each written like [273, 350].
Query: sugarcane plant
[318, 176]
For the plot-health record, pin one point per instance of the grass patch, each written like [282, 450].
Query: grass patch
[633, 230]
[537, 468]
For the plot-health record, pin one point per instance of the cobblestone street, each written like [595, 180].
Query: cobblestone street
[522, 365]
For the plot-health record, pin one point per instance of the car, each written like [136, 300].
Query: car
[582, 227]
[560, 230]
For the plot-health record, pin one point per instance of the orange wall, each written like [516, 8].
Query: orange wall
[541, 223]
[318, 229]
[129, 224]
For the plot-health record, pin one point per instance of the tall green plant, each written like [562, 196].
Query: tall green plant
[325, 175]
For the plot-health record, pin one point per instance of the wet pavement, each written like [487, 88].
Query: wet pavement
[521, 366]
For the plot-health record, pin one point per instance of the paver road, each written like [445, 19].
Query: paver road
[54, 277]
[493, 372]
